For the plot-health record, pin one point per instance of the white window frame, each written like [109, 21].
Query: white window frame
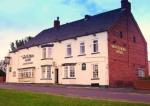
[141, 73]
[82, 48]
[47, 52]
[68, 50]
[95, 46]
[46, 72]
[72, 71]
[65, 71]
[95, 71]
[69, 71]
[26, 73]
[44, 53]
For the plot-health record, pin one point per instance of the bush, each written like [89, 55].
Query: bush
[146, 78]
[2, 73]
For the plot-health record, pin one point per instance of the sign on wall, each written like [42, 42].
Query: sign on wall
[119, 49]
[27, 59]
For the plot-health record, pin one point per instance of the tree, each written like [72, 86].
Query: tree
[2, 73]
[13, 46]
[19, 43]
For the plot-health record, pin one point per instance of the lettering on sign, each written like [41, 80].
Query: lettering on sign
[27, 58]
[119, 49]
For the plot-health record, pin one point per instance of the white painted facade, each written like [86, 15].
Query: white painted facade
[59, 61]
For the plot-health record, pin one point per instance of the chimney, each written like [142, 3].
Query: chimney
[57, 23]
[87, 17]
[126, 5]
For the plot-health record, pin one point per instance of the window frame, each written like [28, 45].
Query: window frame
[46, 72]
[82, 48]
[95, 71]
[46, 52]
[83, 66]
[141, 72]
[69, 72]
[68, 50]
[95, 46]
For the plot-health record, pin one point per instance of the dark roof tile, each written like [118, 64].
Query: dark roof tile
[96, 23]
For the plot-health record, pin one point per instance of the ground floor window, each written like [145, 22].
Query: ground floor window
[26, 73]
[141, 72]
[69, 71]
[95, 71]
[46, 72]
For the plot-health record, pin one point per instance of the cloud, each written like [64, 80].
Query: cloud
[10, 35]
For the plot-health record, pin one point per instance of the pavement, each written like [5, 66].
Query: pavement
[116, 94]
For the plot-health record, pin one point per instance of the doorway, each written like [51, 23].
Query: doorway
[56, 76]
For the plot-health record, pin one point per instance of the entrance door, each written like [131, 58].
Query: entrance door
[56, 76]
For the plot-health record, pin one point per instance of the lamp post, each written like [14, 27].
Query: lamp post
[7, 60]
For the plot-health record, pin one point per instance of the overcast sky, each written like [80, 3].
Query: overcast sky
[21, 18]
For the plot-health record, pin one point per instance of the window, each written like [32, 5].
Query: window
[44, 53]
[43, 72]
[47, 52]
[69, 71]
[69, 52]
[26, 73]
[95, 46]
[83, 66]
[82, 48]
[134, 39]
[46, 72]
[141, 73]
[72, 71]
[66, 72]
[121, 35]
[95, 71]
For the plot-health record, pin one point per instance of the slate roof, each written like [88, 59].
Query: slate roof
[97, 23]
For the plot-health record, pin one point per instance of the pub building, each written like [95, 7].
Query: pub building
[106, 49]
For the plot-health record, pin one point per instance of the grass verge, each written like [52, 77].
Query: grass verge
[23, 98]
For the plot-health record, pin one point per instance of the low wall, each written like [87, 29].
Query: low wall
[142, 84]
[2, 79]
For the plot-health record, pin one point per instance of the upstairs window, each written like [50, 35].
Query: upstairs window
[95, 46]
[47, 52]
[69, 51]
[44, 53]
[82, 48]
[134, 39]
[121, 35]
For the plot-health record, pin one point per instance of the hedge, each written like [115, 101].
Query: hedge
[2, 73]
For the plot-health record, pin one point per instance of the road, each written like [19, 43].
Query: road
[119, 94]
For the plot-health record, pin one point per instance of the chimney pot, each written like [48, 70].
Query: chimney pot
[57, 23]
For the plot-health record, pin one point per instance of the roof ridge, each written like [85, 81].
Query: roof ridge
[97, 23]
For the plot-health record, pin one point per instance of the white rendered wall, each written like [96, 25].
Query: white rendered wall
[58, 55]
